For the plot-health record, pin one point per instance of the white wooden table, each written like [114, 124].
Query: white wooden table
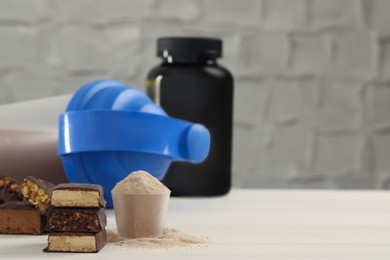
[256, 224]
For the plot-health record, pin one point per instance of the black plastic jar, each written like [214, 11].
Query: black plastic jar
[189, 84]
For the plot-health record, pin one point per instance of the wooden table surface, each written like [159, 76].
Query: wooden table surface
[256, 224]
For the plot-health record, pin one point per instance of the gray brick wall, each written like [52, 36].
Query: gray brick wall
[312, 101]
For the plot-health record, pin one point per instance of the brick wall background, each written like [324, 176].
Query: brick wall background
[312, 101]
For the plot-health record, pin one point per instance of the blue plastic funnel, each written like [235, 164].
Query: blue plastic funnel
[110, 130]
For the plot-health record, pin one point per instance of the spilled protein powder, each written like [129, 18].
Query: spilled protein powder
[140, 182]
[171, 238]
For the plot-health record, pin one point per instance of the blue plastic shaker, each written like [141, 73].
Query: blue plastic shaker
[110, 130]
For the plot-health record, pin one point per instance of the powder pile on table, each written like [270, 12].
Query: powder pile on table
[171, 238]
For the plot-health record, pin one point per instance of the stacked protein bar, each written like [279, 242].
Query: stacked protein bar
[76, 219]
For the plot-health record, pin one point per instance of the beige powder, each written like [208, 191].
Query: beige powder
[140, 182]
[171, 238]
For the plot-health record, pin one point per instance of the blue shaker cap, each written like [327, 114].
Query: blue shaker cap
[110, 130]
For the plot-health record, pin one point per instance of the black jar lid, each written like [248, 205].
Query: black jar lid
[189, 48]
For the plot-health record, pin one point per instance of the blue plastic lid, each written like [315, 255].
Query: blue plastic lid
[110, 130]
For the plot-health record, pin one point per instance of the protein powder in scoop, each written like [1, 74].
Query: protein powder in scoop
[140, 182]
[140, 204]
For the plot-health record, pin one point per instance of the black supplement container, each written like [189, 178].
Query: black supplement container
[189, 84]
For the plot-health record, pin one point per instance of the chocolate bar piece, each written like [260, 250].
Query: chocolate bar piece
[37, 192]
[76, 242]
[9, 190]
[20, 217]
[78, 195]
[76, 220]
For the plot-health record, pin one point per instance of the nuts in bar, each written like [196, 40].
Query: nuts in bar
[78, 195]
[20, 217]
[9, 190]
[76, 242]
[37, 192]
[76, 220]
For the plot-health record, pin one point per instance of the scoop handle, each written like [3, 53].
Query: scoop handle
[91, 131]
[196, 143]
